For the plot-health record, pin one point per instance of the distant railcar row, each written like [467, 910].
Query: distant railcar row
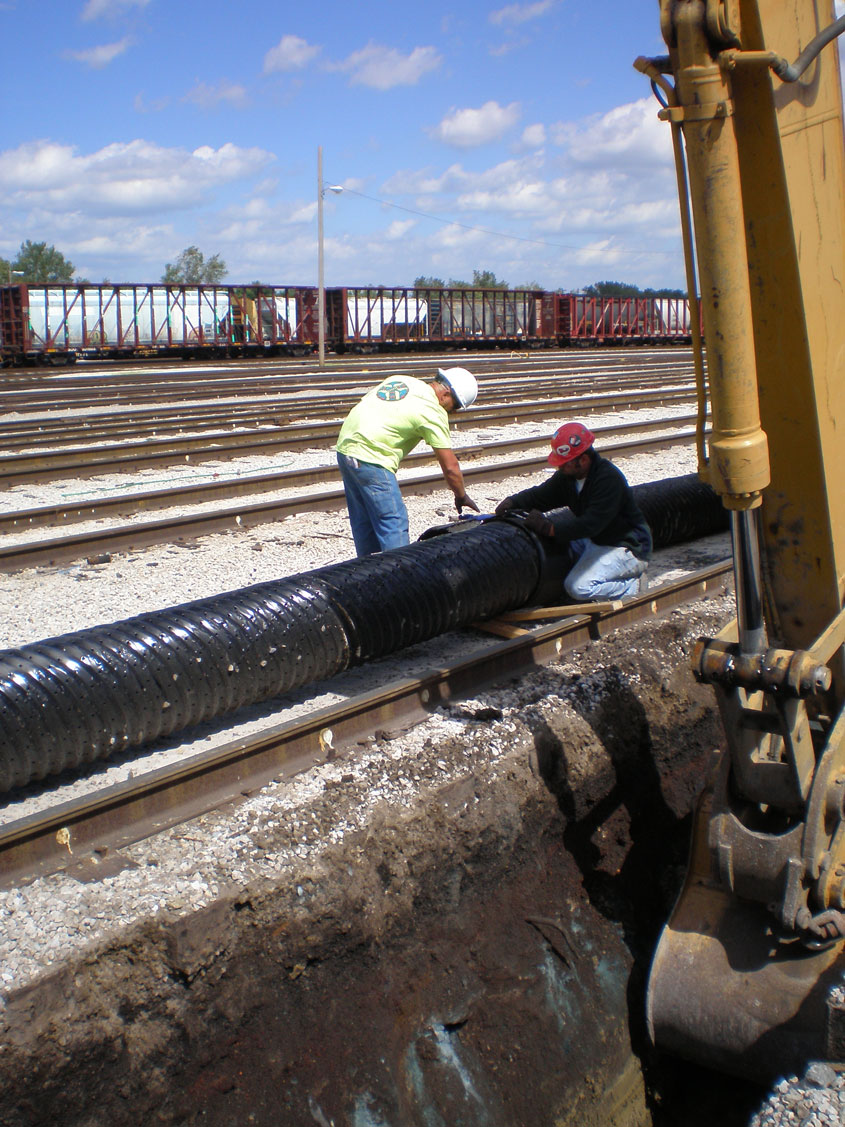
[59, 324]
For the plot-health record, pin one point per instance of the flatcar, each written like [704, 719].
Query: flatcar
[57, 324]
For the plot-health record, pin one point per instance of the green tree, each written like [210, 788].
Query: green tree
[487, 280]
[192, 266]
[612, 289]
[426, 282]
[664, 293]
[530, 286]
[626, 289]
[39, 265]
[481, 280]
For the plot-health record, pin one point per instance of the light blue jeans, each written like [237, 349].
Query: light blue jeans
[377, 512]
[602, 573]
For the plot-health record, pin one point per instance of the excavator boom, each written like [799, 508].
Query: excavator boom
[746, 973]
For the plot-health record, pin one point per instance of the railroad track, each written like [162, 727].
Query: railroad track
[129, 383]
[143, 534]
[58, 430]
[80, 834]
[127, 457]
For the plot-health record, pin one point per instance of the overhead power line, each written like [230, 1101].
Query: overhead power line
[488, 231]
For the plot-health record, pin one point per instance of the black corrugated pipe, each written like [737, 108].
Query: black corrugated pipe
[71, 700]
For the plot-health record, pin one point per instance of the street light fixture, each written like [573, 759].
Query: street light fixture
[18, 273]
[321, 286]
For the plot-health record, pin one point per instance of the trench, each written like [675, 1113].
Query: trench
[476, 960]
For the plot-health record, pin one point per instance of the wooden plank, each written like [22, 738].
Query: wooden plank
[501, 629]
[531, 614]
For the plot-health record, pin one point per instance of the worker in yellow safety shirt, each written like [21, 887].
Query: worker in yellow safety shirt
[377, 434]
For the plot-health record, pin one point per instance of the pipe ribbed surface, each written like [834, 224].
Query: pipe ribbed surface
[68, 701]
[681, 509]
[71, 700]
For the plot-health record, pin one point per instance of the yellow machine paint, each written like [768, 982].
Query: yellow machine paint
[745, 972]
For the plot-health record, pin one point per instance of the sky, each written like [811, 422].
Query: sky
[513, 138]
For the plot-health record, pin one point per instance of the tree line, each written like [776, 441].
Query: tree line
[486, 279]
[39, 264]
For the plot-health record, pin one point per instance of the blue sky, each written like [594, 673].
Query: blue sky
[136, 128]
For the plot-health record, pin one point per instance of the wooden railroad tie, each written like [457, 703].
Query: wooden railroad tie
[505, 626]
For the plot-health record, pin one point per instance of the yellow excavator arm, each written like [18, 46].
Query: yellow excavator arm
[744, 972]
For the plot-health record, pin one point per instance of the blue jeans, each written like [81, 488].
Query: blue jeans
[602, 572]
[377, 512]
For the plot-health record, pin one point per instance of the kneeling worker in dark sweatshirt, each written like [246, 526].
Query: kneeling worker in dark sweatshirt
[608, 537]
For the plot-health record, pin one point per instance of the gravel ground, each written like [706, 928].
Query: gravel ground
[43, 602]
[817, 1099]
[49, 921]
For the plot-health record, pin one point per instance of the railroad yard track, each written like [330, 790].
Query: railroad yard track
[83, 831]
[47, 449]
[70, 546]
[125, 457]
[28, 393]
[81, 834]
[51, 432]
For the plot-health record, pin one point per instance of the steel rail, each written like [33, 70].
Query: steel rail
[143, 534]
[150, 369]
[58, 430]
[126, 457]
[80, 834]
[59, 516]
[317, 406]
[24, 392]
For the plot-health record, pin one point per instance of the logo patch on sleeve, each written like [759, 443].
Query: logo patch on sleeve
[392, 391]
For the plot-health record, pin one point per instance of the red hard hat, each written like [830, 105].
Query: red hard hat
[569, 441]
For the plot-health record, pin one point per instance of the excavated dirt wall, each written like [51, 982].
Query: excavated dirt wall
[474, 955]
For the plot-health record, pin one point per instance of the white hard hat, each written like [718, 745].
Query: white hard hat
[461, 383]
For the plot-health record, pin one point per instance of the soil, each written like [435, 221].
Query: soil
[475, 956]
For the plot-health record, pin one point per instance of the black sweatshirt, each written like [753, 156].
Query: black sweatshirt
[604, 510]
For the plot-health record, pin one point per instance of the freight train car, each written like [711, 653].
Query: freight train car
[384, 318]
[626, 319]
[57, 324]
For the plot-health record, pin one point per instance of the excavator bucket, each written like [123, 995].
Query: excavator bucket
[725, 993]
[746, 978]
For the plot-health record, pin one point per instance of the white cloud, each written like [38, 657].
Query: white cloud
[99, 57]
[468, 128]
[98, 9]
[533, 136]
[601, 253]
[207, 97]
[156, 105]
[399, 228]
[515, 14]
[290, 53]
[624, 135]
[382, 68]
[123, 178]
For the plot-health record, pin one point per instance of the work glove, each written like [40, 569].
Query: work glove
[539, 523]
[466, 502]
[503, 506]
